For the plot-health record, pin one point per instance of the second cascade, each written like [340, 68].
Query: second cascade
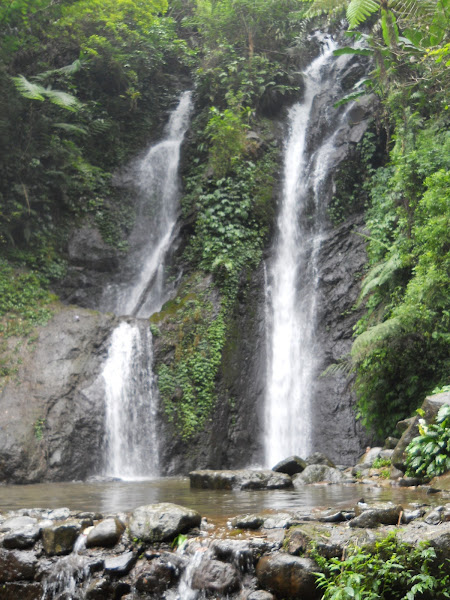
[131, 441]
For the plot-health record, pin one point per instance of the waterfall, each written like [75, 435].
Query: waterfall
[131, 433]
[131, 439]
[291, 290]
[155, 180]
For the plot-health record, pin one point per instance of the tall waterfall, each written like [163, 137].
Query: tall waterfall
[131, 399]
[155, 179]
[293, 270]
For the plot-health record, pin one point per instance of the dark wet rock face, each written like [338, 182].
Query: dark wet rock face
[55, 406]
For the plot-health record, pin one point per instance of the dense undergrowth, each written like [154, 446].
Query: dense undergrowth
[386, 570]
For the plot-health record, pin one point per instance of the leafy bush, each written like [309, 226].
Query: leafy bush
[391, 571]
[428, 454]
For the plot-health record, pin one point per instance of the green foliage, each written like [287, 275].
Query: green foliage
[379, 463]
[77, 102]
[389, 570]
[24, 300]
[428, 454]
[233, 214]
[226, 132]
[39, 426]
[402, 345]
[351, 182]
[187, 385]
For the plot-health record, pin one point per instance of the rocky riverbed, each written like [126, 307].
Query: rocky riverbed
[166, 551]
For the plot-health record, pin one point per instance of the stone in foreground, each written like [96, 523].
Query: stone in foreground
[288, 576]
[290, 465]
[244, 479]
[162, 522]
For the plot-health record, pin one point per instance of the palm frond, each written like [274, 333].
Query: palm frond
[359, 10]
[30, 90]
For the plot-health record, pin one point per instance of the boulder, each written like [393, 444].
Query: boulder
[162, 522]
[430, 406]
[107, 533]
[20, 539]
[60, 538]
[317, 458]
[16, 565]
[290, 465]
[317, 473]
[390, 443]
[377, 514]
[160, 574]
[121, 564]
[244, 479]
[214, 576]
[237, 552]
[247, 522]
[288, 576]
[17, 523]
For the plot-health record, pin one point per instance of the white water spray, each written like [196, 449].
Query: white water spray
[155, 178]
[293, 277]
[131, 399]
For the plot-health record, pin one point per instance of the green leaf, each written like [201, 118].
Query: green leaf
[33, 91]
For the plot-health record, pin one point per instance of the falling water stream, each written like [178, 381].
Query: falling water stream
[131, 399]
[291, 290]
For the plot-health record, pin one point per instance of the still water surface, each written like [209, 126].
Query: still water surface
[115, 496]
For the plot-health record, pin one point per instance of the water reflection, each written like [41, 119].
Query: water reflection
[215, 504]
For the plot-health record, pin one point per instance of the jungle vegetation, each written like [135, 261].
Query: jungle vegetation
[85, 86]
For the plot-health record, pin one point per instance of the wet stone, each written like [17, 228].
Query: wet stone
[288, 576]
[17, 523]
[160, 522]
[20, 539]
[98, 589]
[261, 595]
[17, 565]
[106, 534]
[317, 458]
[290, 465]
[247, 522]
[60, 538]
[374, 515]
[243, 479]
[216, 577]
[160, 574]
[120, 565]
[21, 591]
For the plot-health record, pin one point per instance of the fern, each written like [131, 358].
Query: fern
[63, 99]
[359, 10]
[30, 90]
[70, 128]
[375, 336]
[34, 91]
[380, 274]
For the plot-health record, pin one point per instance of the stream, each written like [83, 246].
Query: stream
[215, 505]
